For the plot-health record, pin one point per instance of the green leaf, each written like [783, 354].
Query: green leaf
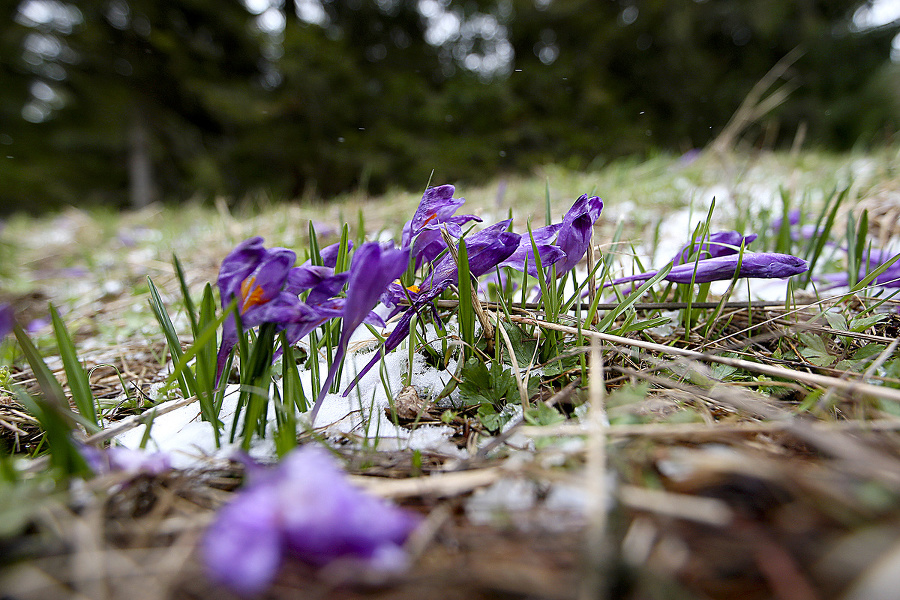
[815, 350]
[523, 346]
[633, 297]
[836, 320]
[628, 394]
[860, 324]
[495, 385]
[543, 415]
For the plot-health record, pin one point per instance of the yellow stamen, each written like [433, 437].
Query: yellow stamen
[413, 288]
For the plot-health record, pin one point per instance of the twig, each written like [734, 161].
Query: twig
[848, 386]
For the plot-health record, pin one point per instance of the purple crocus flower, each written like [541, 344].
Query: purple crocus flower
[304, 508]
[436, 211]
[572, 239]
[805, 232]
[372, 270]
[890, 277]
[576, 231]
[721, 243]
[329, 254]
[266, 284]
[486, 249]
[763, 265]
[524, 253]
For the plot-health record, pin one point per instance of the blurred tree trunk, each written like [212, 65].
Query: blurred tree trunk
[140, 169]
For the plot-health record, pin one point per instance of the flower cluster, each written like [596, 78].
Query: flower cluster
[266, 285]
[304, 508]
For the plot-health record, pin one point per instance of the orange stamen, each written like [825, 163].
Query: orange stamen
[252, 294]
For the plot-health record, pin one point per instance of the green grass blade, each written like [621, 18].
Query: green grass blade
[255, 387]
[186, 380]
[466, 312]
[548, 211]
[79, 385]
[186, 295]
[818, 241]
[871, 277]
[631, 298]
[290, 378]
[315, 255]
[50, 387]
[57, 425]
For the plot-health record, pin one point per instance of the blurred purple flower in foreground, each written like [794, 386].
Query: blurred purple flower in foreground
[117, 459]
[305, 508]
[763, 265]
[7, 320]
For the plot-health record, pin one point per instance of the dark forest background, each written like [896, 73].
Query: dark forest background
[127, 101]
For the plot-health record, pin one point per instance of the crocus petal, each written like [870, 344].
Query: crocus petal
[305, 508]
[136, 462]
[577, 230]
[429, 242]
[309, 318]
[305, 277]
[325, 517]
[267, 280]
[372, 270]
[328, 288]
[400, 333]
[239, 263]
[256, 276]
[329, 254]
[243, 547]
[721, 243]
[524, 253]
[874, 258]
[762, 265]
[486, 249]
[437, 204]
[436, 208]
